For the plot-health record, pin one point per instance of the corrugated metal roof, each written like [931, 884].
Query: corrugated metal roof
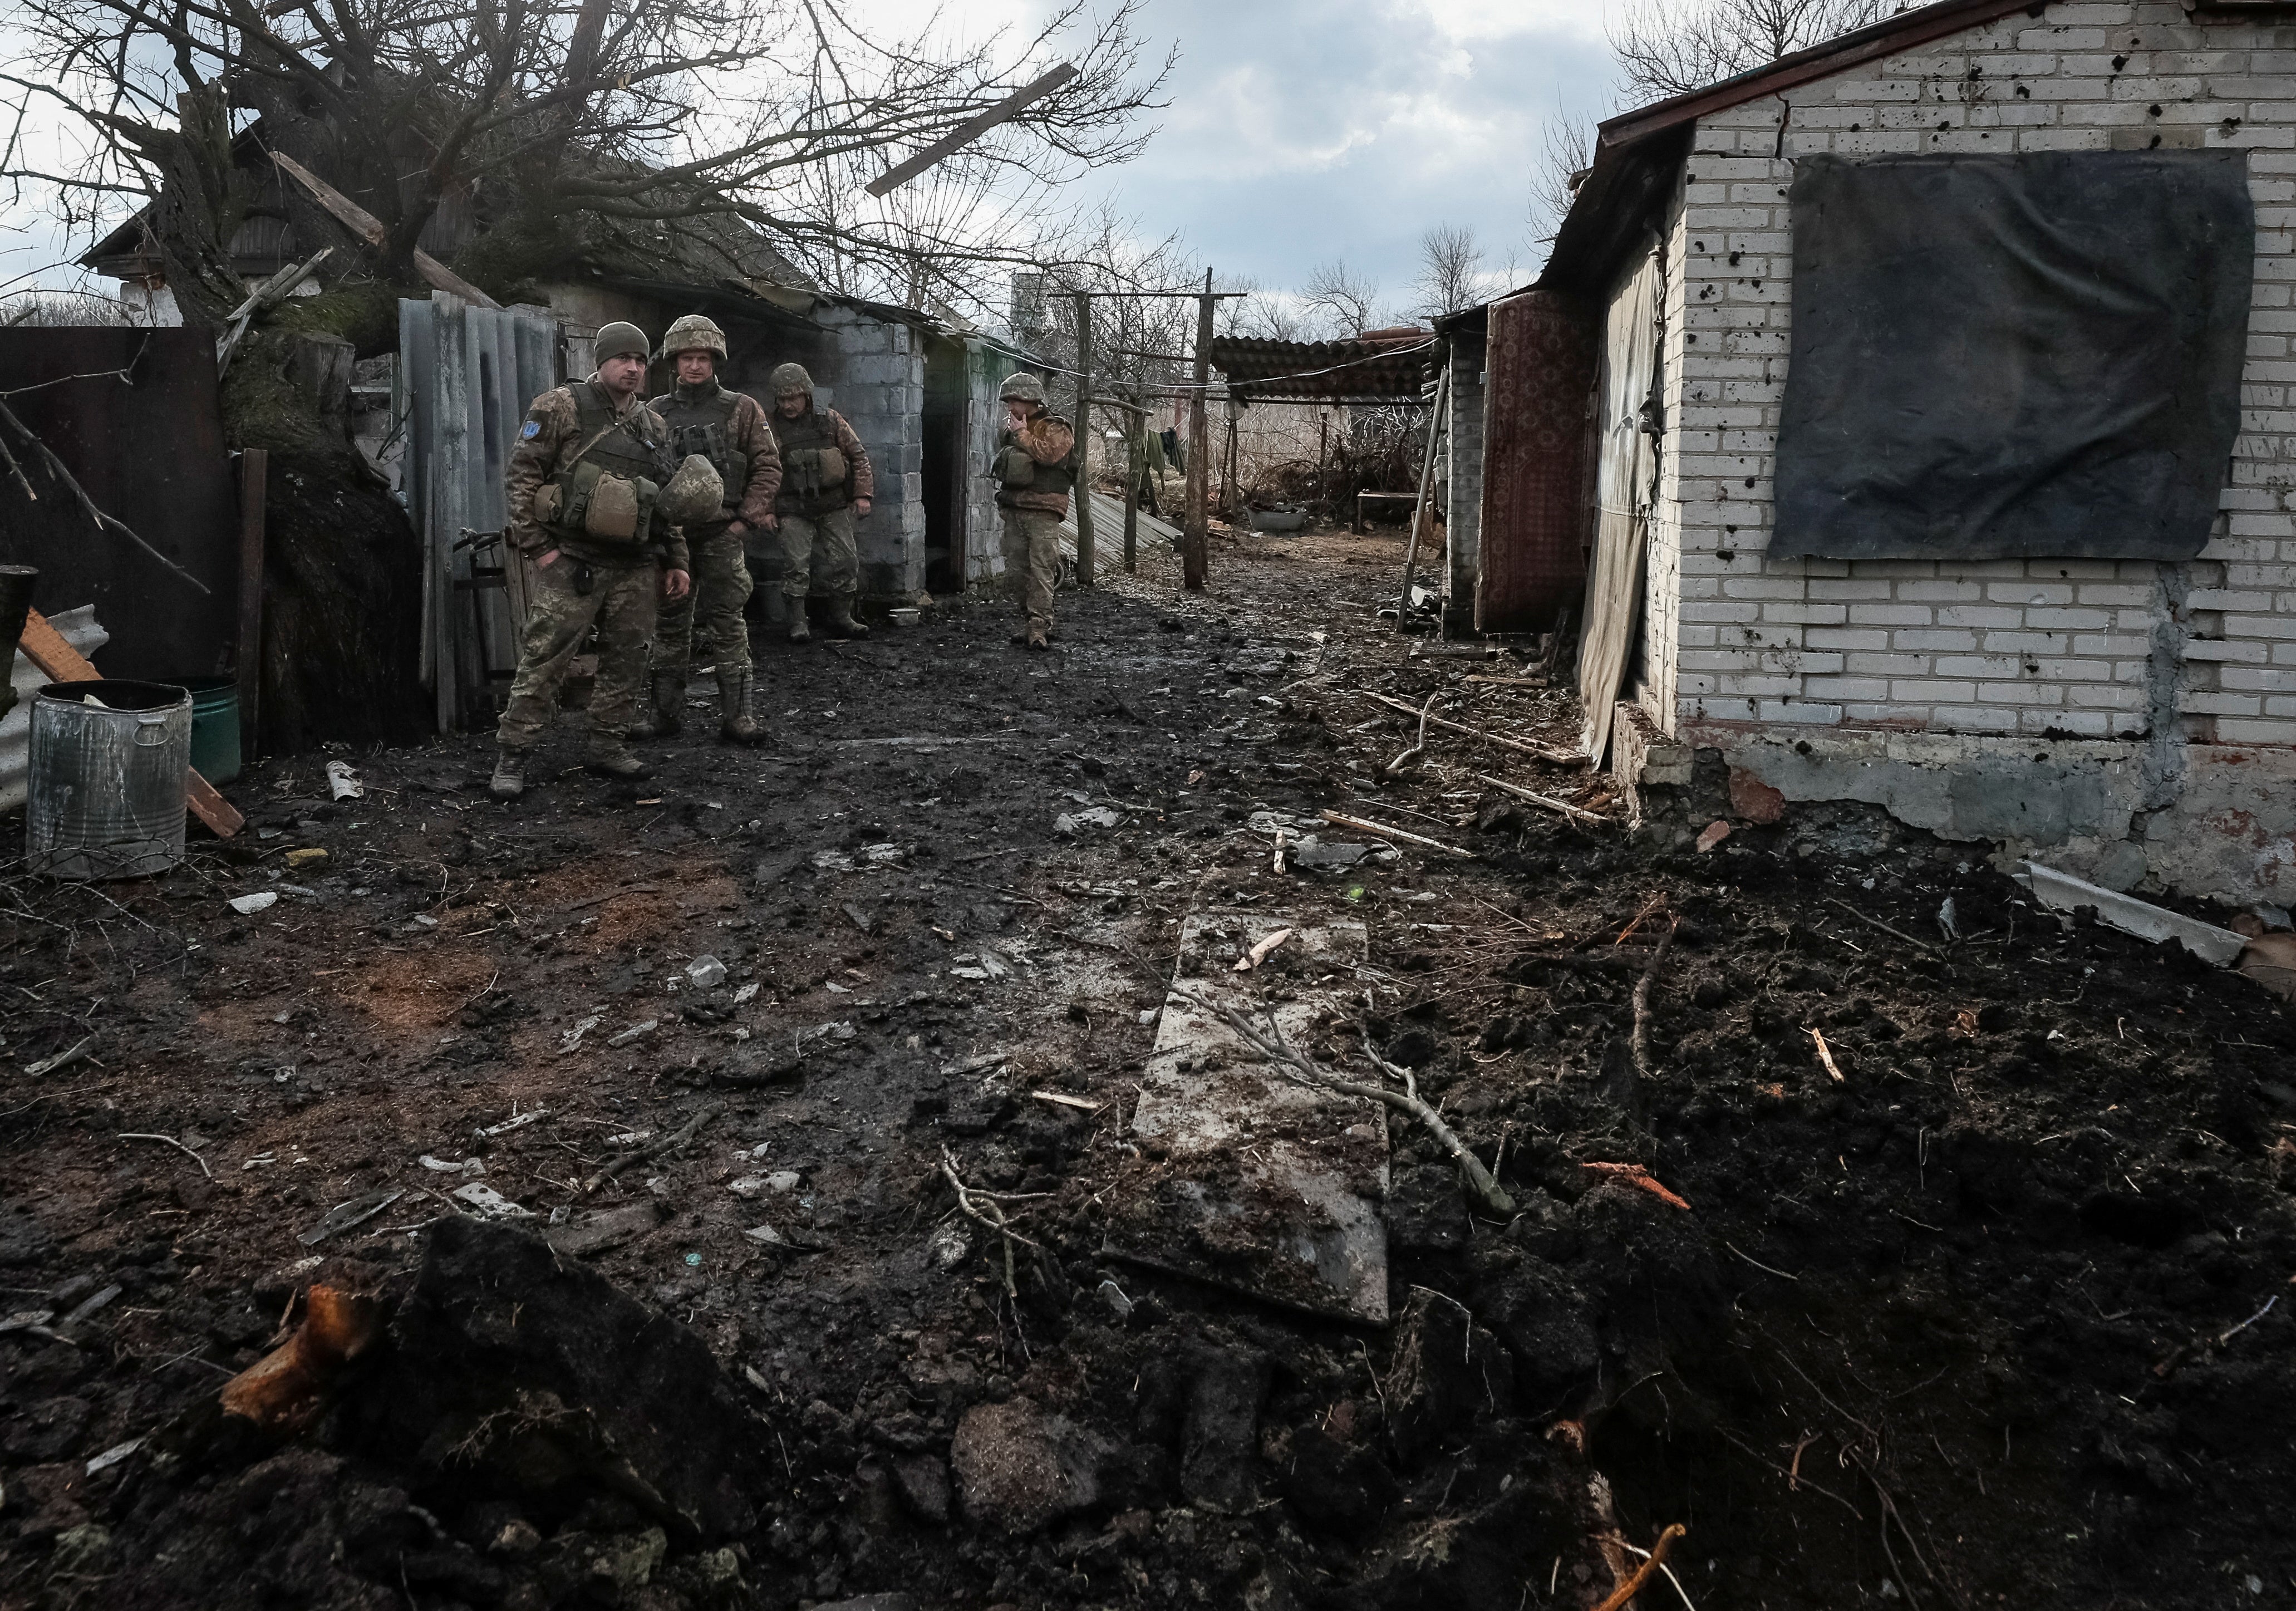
[1387, 365]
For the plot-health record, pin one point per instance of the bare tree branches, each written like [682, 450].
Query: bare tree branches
[1450, 271]
[1671, 47]
[1341, 302]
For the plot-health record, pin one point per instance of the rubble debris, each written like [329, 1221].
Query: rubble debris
[661, 1148]
[489, 1203]
[63, 1059]
[2064, 892]
[1069, 823]
[307, 856]
[462, 1166]
[1545, 802]
[286, 1390]
[532, 1115]
[1020, 1467]
[705, 973]
[345, 1216]
[636, 1031]
[247, 905]
[1713, 834]
[343, 781]
[1361, 826]
[595, 1233]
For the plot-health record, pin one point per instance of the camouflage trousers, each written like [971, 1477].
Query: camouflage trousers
[620, 602]
[1032, 559]
[819, 555]
[711, 613]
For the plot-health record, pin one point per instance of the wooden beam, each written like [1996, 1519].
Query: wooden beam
[369, 228]
[45, 648]
[1195, 541]
[1080, 456]
[254, 470]
[966, 133]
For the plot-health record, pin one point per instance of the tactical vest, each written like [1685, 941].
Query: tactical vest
[705, 425]
[623, 448]
[813, 465]
[1033, 475]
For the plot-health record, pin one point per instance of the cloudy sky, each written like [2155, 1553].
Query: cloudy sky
[1298, 131]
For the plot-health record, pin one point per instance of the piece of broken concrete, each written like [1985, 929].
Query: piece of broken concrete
[2064, 892]
[344, 1216]
[1715, 833]
[1069, 823]
[705, 973]
[485, 1201]
[247, 905]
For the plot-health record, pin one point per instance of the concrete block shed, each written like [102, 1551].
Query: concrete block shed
[1877, 557]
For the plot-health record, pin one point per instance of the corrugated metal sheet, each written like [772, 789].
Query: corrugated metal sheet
[1385, 367]
[467, 376]
[78, 629]
[1540, 367]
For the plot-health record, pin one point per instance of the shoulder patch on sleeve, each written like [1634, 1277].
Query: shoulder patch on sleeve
[532, 428]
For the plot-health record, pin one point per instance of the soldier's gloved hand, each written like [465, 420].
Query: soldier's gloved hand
[772, 522]
[676, 584]
[861, 507]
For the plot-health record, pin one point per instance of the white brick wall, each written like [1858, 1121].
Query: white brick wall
[1998, 647]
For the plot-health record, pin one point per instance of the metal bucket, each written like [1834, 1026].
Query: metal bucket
[105, 794]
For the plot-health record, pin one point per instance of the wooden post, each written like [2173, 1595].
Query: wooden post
[254, 473]
[1136, 429]
[1426, 481]
[1080, 461]
[1195, 543]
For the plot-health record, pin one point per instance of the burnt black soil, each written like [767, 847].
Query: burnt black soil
[1973, 1324]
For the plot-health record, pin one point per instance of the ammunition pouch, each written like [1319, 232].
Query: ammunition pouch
[1015, 469]
[813, 479]
[593, 502]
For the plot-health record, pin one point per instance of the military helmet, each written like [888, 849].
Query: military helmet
[1024, 386]
[620, 340]
[696, 332]
[695, 493]
[789, 379]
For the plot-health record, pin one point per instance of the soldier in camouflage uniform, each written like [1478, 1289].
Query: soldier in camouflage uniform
[729, 430]
[1034, 474]
[590, 461]
[826, 481]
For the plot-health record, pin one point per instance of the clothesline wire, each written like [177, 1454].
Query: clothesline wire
[1265, 380]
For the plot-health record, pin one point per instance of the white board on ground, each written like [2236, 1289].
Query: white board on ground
[1248, 1179]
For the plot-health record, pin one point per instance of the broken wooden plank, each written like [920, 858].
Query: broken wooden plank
[1546, 802]
[1523, 745]
[1257, 1184]
[1363, 827]
[369, 228]
[45, 648]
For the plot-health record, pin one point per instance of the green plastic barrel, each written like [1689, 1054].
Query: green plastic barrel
[215, 727]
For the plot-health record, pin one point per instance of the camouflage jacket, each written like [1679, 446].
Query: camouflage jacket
[828, 426]
[547, 443]
[750, 435]
[1048, 440]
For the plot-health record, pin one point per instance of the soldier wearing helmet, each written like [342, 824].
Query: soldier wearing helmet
[826, 483]
[730, 430]
[1034, 475]
[584, 483]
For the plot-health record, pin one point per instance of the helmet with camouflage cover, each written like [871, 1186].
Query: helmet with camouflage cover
[695, 493]
[791, 380]
[696, 332]
[1024, 387]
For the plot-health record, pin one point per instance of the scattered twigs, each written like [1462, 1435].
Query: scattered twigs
[1522, 746]
[1547, 803]
[129, 1135]
[1624, 1592]
[1643, 1001]
[1259, 953]
[985, 1212]
[1871, 920]
[63, 1059]
[1825, 1055]
[1758, 1264]
[652, 1150]
[1362, 826]
[1394, 768]
[1639, 1178]
[2207, 1345]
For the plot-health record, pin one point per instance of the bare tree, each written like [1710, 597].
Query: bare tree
[1671, 47]
[1338, 302]
[1450, 271]
[558, 121]
[1566, 151]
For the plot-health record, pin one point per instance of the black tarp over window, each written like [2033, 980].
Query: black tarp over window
[2033, 356]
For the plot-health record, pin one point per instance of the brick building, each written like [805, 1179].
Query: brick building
[2118, 700]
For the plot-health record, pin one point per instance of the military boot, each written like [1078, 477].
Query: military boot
[610, 757]
[664, 716]
[1036, 639]
[841, 622]
[799, 632]
[735, 725]
[509, 781]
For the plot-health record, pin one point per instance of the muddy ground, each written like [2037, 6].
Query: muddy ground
[2000, 1316]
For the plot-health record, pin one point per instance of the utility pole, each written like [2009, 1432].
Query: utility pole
[1228, 497]
[1196, 544]
[1080, 458]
